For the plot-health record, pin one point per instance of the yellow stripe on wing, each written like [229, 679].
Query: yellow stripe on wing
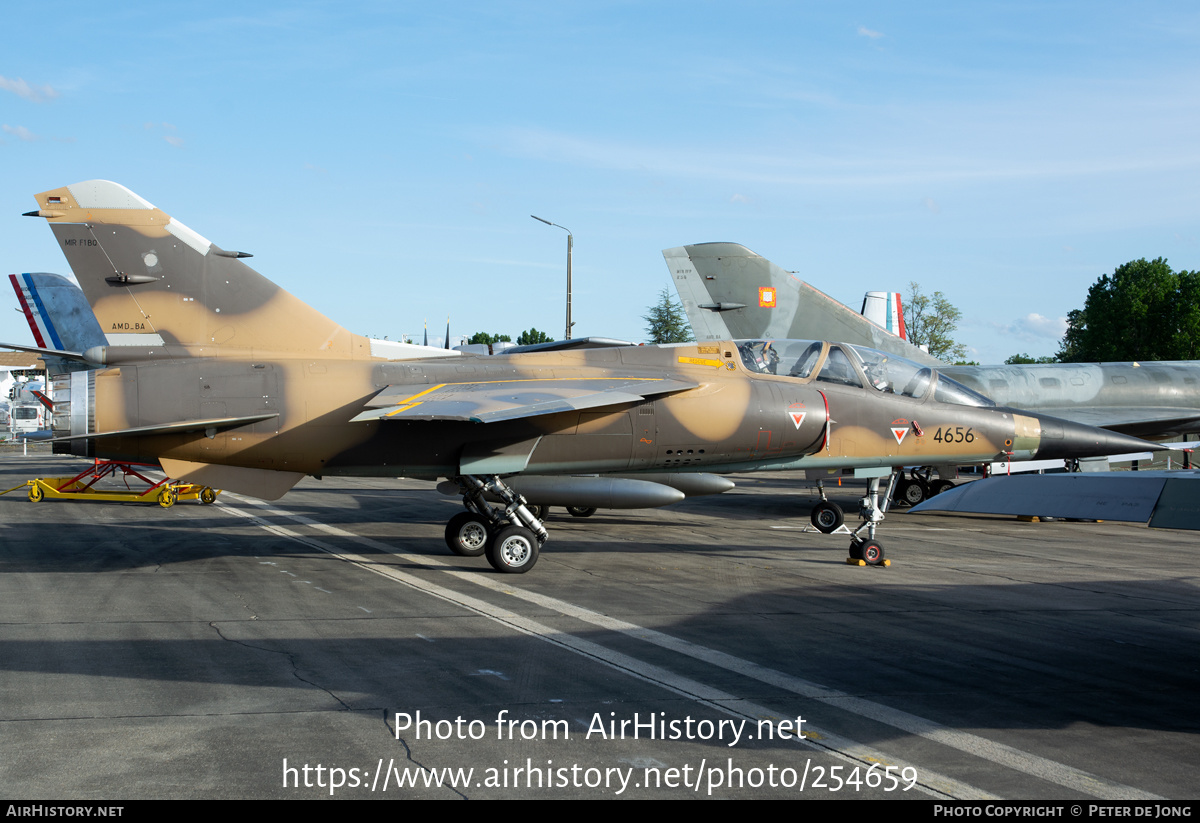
[409, 402]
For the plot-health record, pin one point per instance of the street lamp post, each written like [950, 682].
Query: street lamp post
[570, 244]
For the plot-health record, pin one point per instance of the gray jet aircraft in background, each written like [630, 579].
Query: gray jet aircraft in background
[729, 291]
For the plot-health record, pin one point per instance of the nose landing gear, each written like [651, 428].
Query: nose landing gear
[864, 548]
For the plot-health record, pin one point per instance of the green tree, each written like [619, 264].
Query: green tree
[931, 320]
[666, 322]
[1018, 359]
[487, 339]
[1142, 311]
[528, 338]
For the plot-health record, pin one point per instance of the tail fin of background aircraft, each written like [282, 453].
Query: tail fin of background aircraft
[729, 291]
[152, 281]
[886, 309]
[57, 311]
[59, 317]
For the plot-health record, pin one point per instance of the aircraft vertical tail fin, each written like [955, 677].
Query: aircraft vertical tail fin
[729, 291]
[886, 309]
[152, 281]
[57, 312]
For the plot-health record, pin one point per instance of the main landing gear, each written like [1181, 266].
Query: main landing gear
[918, 486]
[510, 537]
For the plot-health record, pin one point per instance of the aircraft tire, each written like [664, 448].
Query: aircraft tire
[36, 493]
[468, 534]
[856, 552]
[942, 486]
[513, 550]
[581, 511]
[827, 517]
[909, 492]
[537, 511]
[872, 552]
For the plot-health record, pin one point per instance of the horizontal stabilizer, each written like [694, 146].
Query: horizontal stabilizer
[65, 355]
[212, 425]
[513, 399]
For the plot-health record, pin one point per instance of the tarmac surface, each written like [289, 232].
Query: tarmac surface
[272, 650]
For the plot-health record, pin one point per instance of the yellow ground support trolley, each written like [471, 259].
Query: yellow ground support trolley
[83, 486]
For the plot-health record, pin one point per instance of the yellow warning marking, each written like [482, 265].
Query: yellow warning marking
[408, 403]
[539, 380]
[557, 379]
[700, 361]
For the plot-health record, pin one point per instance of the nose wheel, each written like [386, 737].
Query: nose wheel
[868, 551]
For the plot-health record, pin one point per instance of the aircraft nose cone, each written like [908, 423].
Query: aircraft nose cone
[1063, 439]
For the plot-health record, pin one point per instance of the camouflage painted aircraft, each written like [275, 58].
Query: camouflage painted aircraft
[59, 316]
[729, 291]
[228, 381]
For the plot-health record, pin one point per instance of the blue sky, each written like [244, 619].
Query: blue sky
[381, 160]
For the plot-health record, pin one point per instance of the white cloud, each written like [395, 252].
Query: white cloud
[174, 140]
[866, 32]
[811, 166]
[20, 132]
[1033, 328]
[932, 205]
[739, 198]
[35, 94]
[1039, 326]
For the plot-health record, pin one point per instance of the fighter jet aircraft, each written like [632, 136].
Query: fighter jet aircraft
[228, 381]
[59, 315]
[729, 291]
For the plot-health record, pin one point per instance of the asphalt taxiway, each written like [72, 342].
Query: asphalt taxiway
[267, 650]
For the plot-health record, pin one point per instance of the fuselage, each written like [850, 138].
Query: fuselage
[738, 417]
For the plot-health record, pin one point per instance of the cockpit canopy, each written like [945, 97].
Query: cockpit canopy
[855, 366]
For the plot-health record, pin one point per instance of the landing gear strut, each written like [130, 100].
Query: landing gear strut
[863, 545]
[510, 536]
